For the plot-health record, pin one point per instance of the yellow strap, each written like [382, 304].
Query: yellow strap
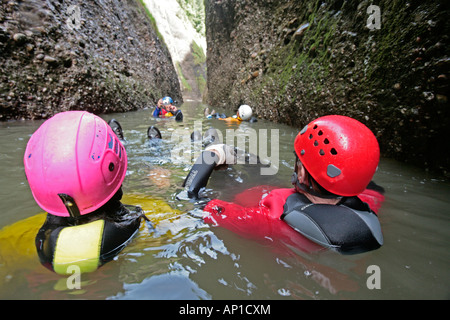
[79, 245]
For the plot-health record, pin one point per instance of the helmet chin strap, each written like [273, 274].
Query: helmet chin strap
[70, 205]
[301, 187]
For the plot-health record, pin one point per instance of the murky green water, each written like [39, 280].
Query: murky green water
[184, 258]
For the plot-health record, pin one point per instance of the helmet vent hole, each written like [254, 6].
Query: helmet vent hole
[320, 133]
[310, 136]
[321, 152]
[333, 151]
[315, 127]
[326, 141]
[316, 143]
[111, 166]
[116, 146]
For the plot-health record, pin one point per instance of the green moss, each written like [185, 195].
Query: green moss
[306, 59]
[393, 40]
[201, 83]
[197, 52]
[195, 12]
[152, 21]
[184, 82]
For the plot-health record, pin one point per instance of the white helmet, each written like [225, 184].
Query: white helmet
[245, 112]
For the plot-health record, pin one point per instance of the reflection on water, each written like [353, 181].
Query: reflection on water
[184, 258]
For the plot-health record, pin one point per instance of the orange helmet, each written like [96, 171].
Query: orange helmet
[339, 152]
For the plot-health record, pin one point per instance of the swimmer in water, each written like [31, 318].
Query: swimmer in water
[244, 113]
[333, 202]
[75, 166]
[166, 109]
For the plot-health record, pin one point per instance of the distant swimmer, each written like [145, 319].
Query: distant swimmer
[166, 109]
[244, 113]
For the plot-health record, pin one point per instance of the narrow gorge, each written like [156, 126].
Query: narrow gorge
[100, 56]
[385, 63]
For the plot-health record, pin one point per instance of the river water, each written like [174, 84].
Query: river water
[185, 258]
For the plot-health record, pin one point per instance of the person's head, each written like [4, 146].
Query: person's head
[336, 156]
[74, 164]
[167, 104]
[160, 103]
[244, 112]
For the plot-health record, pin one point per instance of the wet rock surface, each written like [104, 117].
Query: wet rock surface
[293, 61]
[101, 56]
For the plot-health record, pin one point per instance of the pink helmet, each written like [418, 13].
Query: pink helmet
[74, 160]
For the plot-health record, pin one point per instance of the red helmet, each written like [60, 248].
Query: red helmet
[339, 152]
